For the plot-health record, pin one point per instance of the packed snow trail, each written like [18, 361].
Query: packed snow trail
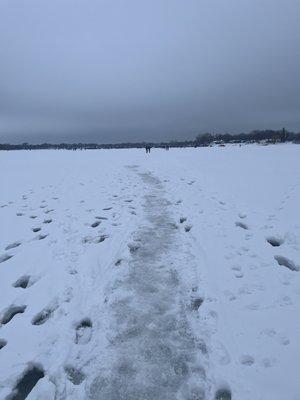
[154, 351]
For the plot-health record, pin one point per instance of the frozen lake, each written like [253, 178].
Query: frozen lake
[170, 275]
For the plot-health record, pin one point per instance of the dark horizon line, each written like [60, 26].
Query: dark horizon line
[272, 136]
[153, 142]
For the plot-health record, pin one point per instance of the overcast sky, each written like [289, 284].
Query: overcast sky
[130, 70]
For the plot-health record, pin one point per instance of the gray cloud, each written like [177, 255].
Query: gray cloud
[112, 71]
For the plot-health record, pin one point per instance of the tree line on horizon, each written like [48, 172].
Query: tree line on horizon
[204, 139]
[271, 136]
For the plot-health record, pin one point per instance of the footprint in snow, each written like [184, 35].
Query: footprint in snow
[196, 303]
[100, 239]
[43, 316]
[247, 360]
[187, 228]
[27, 381]
[253, 306]
[87, 239]
[12, 245]
[223, 394]
[239, 274]
[48, 211]
[133, 248]
[275, 241]
[10, 312]
[37, 229]
[95, 224]
[241, 225]
[3, 343]
[72, 271]
[23, 282]
[41, 237]
[74, 374]
[5, 257]
[173, 225]
[97, 239]
[47, 221]
[83, 331]
[285, 262]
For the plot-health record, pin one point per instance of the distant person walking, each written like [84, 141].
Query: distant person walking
[148, 148]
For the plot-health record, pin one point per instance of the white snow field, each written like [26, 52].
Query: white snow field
[169, 276]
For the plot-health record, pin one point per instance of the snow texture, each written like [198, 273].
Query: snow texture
[171, 275]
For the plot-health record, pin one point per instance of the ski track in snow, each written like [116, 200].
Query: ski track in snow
[167, 276]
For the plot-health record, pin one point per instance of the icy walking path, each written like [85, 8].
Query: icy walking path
[155, 353]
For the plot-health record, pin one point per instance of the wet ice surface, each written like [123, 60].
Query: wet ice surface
[153, 347]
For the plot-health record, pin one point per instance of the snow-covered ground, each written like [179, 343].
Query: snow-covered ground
[166, 276]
